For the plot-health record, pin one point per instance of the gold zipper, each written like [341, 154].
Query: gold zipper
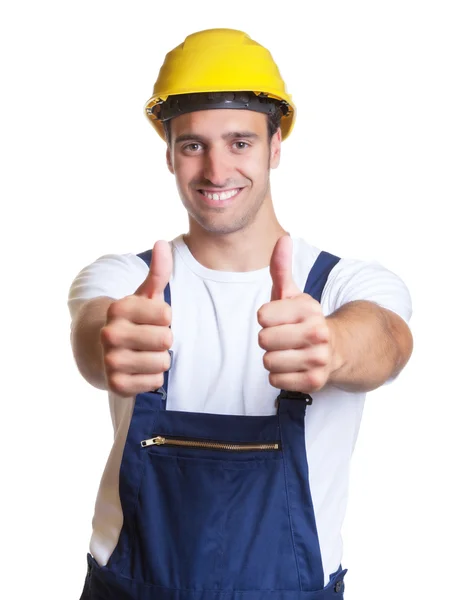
[162, 441]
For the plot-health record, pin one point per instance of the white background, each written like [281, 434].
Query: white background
[370, 171]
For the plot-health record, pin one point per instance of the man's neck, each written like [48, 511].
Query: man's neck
[241, 251]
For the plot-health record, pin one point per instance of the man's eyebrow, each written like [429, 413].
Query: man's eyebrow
[241, 134]
[189, 137]
[193, 137]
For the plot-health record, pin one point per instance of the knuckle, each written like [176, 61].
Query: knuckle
[325, 353]
[321, 333]
[116, 309]
[108, 336]
[314, 329]
[314, 305]
[162, 339]
[315, 380]
[117, 382]
[157, 381]
[312, 308]
[161, 363]
[167, 314]
[321, 355]
[262, 339]
[261, 315]
[112, 311]
[111, 361]
[166, 362]
[274, 380]
[167, 339]
[266, 359]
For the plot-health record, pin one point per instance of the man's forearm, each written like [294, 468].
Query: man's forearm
[85, 339]
[369, 345]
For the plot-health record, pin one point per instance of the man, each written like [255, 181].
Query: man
[236, 393]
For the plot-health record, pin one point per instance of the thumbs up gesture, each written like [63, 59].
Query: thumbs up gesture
[294, 331]
[137, 335]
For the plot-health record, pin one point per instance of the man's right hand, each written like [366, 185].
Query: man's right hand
[137, 335]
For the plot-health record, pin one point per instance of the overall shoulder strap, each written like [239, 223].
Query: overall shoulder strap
[319, 274]
[146, 256]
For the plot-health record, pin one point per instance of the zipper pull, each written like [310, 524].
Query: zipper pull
[155, 441]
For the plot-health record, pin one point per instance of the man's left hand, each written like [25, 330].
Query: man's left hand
[294, 333]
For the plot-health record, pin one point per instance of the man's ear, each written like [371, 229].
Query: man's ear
[168, 157]
[275, 149]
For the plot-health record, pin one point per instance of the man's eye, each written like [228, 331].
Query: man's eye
[240, 145]
[192, 147]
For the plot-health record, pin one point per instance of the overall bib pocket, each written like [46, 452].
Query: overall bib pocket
[210, 512]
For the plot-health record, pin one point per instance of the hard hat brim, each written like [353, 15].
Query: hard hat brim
[286, 123]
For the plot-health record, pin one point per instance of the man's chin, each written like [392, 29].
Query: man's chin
[219, 227]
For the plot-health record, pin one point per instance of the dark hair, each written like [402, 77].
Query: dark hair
[273, 123]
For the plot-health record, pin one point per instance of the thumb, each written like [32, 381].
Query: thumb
[281, 270]
[160, 272]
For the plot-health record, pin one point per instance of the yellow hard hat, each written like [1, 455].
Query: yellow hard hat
[220, 60]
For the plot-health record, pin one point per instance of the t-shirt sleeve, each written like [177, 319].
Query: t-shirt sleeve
[111, 275]
[359, 280]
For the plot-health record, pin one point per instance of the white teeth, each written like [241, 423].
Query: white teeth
[222, 196]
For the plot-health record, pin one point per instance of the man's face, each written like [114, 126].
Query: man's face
[221, 160]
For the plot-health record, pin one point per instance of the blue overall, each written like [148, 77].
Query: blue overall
[232, 520]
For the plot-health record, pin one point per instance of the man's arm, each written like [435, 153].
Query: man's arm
[360, 344]
[369, 345]
[122, 345]
[85, 340]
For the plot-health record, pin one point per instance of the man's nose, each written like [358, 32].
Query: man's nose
[216, 167]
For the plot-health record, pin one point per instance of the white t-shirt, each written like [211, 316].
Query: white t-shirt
[218, 368]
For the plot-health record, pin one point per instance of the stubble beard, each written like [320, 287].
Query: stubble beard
[212, 224]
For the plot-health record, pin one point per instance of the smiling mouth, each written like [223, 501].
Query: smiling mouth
[219, 196]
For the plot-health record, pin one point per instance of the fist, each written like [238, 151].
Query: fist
[137, 335]
[294, 331]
